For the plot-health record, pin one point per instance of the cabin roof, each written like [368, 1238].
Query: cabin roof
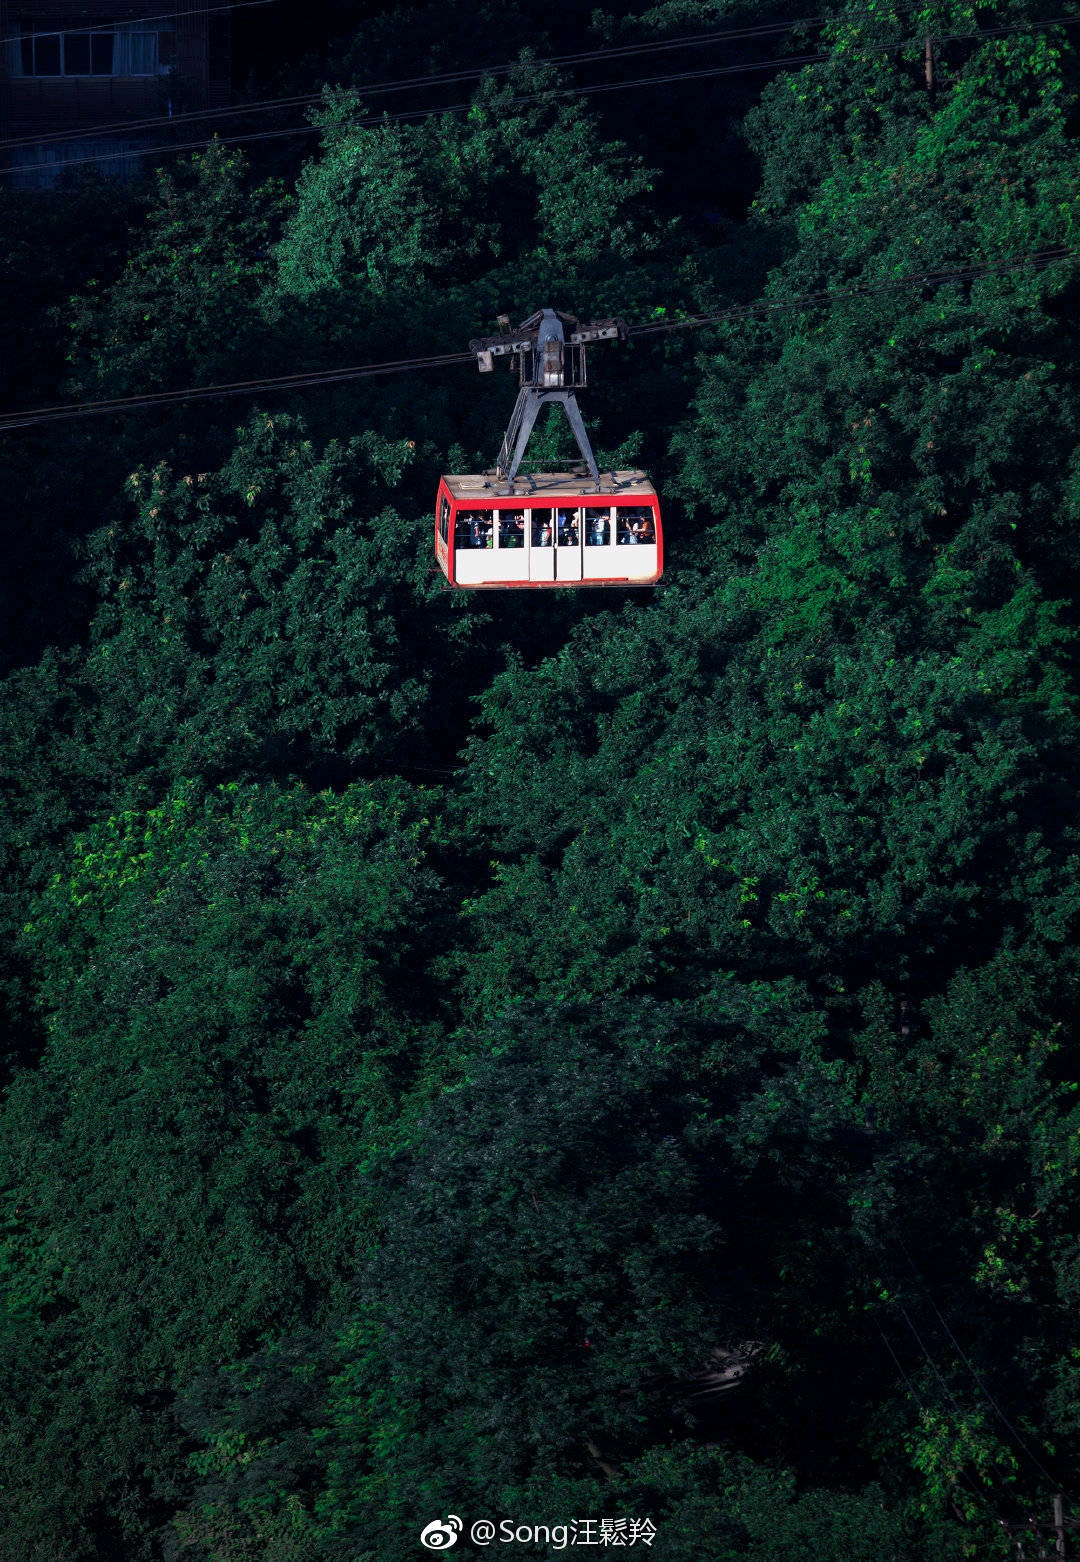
[478, 486]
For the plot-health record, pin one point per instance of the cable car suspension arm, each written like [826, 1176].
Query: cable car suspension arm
[551, 367]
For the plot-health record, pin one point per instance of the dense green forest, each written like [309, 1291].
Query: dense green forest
[553, 1056]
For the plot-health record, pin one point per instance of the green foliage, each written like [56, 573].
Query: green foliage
[242, 615]
[570, 1234]
[708, 1502]
[370, 1152]
[181, 312]
[234, 1004]
[396, 206]
[923, 770]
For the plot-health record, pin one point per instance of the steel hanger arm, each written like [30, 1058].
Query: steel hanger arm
[550, 369]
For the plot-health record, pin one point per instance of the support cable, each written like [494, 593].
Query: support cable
[125, 21]
[946, 1390]
[1002, 1417]
[547, 95]
[445, 78]
[235, 388]
[616, 52]
[979, 1495]
[1038, 261]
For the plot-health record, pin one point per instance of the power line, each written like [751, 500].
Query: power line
[1054, 1485]
[949, 1395]
[234, 388]
[447, 78]
[924, 1411]
[547, 95]
[616, 52]
[1037, 261]
[127, 21]
[1002, 1417]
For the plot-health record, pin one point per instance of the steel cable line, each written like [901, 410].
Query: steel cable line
[619, 51]
[946, 1390]
[937, 1374]
[446, 78]
[234, 388]
[1002, 1417]
[127, 21]
[1037, 261]
[547, 95]
[951, 1398]
[407, 114]
[981, 1496]
[912, 1390]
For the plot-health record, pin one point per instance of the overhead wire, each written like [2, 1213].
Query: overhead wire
[947, 1391]
[547, 94]
[234, 388]
[1038, 260]
[126, 21]
[446, 78]
[614, 52]
[1054, 1483]
[963, 1476]
[1002, 1417]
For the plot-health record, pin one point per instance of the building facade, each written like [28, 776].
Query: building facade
[93, 82]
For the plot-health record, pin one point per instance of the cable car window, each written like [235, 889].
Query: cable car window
[634, 525]
[597, 528]
[566, 527]
[541, 529]
[444, 520]
[473, 529]
[511, 528]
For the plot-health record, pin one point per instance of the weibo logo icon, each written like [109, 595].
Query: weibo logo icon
[441, 1534]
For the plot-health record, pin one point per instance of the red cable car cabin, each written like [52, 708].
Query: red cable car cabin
[565, 531]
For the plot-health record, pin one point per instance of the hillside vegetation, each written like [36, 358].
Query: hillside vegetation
[446, 1033]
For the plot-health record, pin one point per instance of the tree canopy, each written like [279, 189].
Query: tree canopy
[554, 1056]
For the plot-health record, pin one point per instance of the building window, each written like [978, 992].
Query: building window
[125, 51]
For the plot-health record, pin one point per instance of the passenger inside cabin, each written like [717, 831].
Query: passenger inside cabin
[634, 526]
[568, 528]
[511, 528]
[472, 529]
[597, 528]
[541, 536]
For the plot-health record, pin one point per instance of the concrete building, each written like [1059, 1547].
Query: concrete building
[93, 81]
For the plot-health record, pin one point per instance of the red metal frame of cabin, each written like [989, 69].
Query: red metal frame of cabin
[549, 500]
